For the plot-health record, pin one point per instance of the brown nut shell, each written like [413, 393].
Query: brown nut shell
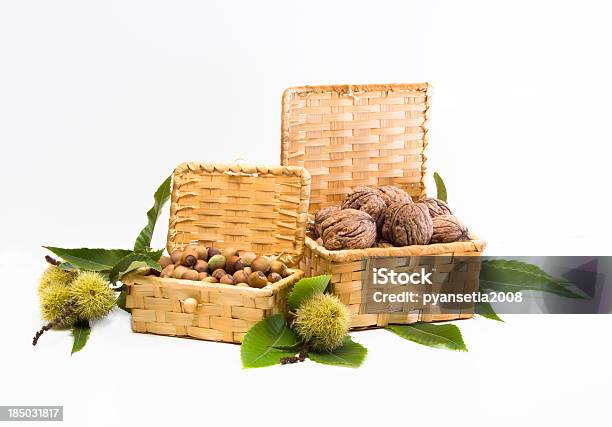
[203, 275]
[261, 264]
[392, 194]
[176, 256]
[240, 277]
[219, 273]
[202, 252]
[321, 216]
[448, 229]
[167, 271]
[257, 279]
[407, 224]
[189, 256]
[227, 279]
[165, 261]
[191, 275]
[274, 277]
[349, 229]
[179, 271]
[436, 207]
[213, 251]
[368, 200]
[233, 264]
[201, 266]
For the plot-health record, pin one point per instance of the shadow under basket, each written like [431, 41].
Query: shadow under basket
[224, 312]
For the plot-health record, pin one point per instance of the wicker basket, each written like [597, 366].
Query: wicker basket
[347, 136]
[258, 208]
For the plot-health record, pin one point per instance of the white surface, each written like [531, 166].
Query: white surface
[100, 100]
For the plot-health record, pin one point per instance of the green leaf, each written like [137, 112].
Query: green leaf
[485, 309]
[80, 335]
[445, 336]
[440, 187]
[350, 355]
[161, 196]
[305, 288]
[66, 266]
[155, 255]
[121, 299]
[260, 346]
[90, 259]
[130, 263]
[512, 276]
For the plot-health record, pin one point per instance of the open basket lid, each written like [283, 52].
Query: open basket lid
[263, 209]
[352, 135]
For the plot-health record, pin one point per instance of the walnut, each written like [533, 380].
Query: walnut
[368, 200]
[436, 207]
[320, 216]
[391, 194]
[447, 229]
[407, 224]
[348, 229]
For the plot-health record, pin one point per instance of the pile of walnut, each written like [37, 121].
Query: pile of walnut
[385, 216]
[228, 266]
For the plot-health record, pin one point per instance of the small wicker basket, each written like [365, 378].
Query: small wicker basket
[258, 208]
[352, 135]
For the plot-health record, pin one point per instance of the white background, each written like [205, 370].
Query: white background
[100, 100]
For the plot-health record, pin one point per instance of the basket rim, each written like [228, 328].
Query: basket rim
[352, 88]
[268, 290]
[475, 244]
[244, 168]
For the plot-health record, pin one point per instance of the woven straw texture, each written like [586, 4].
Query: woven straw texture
[258, 208]
[263, 209]
[224, 312]
[347, 270]
[358, 134]
[352, 135]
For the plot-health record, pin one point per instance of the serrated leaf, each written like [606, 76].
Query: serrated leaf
[485, 309]
[161, 196]
[444, 336]
[350, 355]
[90, 259]
[80, 334]
[304, 288]
[155, 255]
[263, 344]
[512, 276]
[130, 263]
[122, 298]
[440, 187]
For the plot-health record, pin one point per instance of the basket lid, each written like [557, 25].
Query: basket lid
[352, 135]
[258, 208]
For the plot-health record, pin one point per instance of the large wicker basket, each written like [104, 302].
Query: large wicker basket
[352, 135]
[258, 208]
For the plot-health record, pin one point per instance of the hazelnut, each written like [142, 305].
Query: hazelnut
[215, 262]
[247, 271]
[261, 264]
[233, 264]
[179, 271]
[203, 275]
[201, 266]
[191, 275]
[167, 271]
[278, 267]
[213, 251]
[189, 256]
[202, 252]
[229, 251]
[247, 257]
[176, 256]
[189, 305]
[165, 261]
[227, 279]
[257, 279]
[211, 279]
[241, 277]
[219, 273]
[274, 277]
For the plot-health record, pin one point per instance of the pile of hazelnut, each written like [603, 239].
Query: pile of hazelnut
[228, 266]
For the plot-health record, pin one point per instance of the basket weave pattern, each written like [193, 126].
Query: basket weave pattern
[348, 136]
[347, 270]
[366, 135]
[258, 208]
